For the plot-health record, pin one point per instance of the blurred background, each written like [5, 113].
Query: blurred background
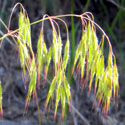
[109, 14]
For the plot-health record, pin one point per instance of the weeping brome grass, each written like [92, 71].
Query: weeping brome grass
[88, 63]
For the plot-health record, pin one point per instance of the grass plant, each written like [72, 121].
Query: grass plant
[88, 62]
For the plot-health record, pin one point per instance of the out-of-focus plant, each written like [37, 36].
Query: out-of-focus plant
[88, 60]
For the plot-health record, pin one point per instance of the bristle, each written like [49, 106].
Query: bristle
[34, 95]
[26, 106]
[89, 88]
[69, 106]
[114, 95]
[72, 69]
[1, 113]
[95, 90]
[99, 101]
[38, 78]
[85, 82]
[45, 106]
[55, 115]
[45, 77]
[62, 115]
[81, 77]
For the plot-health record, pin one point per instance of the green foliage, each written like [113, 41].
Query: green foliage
[88, 62]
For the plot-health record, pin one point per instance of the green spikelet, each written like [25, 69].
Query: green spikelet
[28, 31]
[55, 51]
[24, 39]
[77, 54]
[21, 24]
[51, 90]
[58, 92]
[32, 84]
[59, 47]
[82, 64]
[66, 55]
[40, 55]
[67, 91]
[24, 29]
